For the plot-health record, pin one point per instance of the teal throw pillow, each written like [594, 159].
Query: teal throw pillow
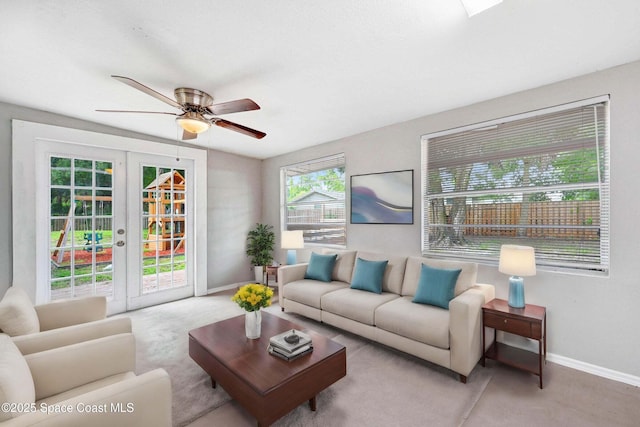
[436, 286]
[320, 267]
[368, 275]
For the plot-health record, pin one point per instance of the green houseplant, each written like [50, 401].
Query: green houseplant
[260, 242]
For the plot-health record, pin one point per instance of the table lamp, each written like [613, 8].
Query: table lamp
[292, 240]
[518, 261]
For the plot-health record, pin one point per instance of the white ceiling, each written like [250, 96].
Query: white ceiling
[320, 70]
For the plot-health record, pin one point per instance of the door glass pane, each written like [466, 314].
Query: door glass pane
[60, 171]
[60, 202]
[163, 232]
[80, 241]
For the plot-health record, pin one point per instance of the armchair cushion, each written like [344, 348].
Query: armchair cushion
[71, 311]
[81, 363]
[16, 382]
[17, 315]
[54, 338]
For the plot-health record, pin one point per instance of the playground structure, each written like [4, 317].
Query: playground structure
[166, 199]
[166, 221]
[90, 236]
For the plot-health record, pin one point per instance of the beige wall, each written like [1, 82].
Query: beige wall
[592, 320]
[234, 207]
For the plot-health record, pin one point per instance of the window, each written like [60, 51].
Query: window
[539, 179]
[313, 200]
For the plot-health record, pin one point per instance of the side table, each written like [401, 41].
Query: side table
[271, 269]
[529, 322]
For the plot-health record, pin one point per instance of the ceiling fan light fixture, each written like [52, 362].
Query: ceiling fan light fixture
[193, 122]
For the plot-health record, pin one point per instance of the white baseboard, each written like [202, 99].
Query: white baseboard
[226, 287]
[594, 370]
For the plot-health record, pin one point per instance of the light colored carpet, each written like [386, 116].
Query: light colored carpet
[383, 387]
[162, 339]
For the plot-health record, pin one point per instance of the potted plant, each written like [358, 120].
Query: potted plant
[260, 243]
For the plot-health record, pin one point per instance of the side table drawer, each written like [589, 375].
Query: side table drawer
[514, 326]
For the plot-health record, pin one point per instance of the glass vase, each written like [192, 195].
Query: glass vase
[253, 324]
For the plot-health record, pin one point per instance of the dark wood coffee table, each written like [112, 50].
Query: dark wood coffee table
[266, 386]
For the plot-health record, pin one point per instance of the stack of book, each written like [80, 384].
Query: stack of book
[290, 345]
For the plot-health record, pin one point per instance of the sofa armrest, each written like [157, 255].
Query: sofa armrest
[54, 338]
[465, 327]
[73, 311]
[64, 368]
[144, 400]
[288, 274]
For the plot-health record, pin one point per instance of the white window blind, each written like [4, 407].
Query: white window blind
[313, 199]
[539, 179]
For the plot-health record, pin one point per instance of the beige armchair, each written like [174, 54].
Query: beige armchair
[91, 383]
[47, 326]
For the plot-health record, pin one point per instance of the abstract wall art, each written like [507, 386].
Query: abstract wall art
[382, 198]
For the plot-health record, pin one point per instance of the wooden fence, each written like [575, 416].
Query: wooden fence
[323, 225]
[321, 215]
[81, 224]
[563, 219]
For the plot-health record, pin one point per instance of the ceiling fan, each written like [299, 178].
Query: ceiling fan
[196, 107]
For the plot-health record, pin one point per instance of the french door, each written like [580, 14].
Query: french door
[118, 224]
[82, 223]
[161, 242]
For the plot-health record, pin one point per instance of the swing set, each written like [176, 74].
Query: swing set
[92, 238]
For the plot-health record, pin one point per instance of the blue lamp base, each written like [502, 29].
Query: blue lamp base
[516, 292]
[291, 257]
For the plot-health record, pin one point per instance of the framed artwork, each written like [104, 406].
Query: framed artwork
[382, 198]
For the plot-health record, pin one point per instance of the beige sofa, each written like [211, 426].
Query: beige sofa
[91, 383]
[450, 338]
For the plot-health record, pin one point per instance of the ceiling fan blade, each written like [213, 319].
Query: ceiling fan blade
[136, 85]
[239, 128]
[186, 135]
[132, 111]
[233, 107]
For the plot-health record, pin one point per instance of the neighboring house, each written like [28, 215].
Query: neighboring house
[314, 199]
[316, 207]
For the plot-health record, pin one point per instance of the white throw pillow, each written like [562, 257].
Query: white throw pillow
[17, 315]
[16, 382]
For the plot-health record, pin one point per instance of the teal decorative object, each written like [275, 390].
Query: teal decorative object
[517, 261]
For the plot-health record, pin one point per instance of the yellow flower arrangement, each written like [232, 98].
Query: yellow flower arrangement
[253, 297]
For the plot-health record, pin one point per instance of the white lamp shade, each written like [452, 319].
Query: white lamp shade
[517, 260]
[193, 122]
[292, 239]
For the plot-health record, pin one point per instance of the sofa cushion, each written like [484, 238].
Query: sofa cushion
[355, 304]
[343, 268]
[87, 388]
[309, 292]
[466, 279]
[320, 267]
[436, 286]
[393, 274]
[368, 275]
[16, 382]
[17, 315]
[423, 323]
